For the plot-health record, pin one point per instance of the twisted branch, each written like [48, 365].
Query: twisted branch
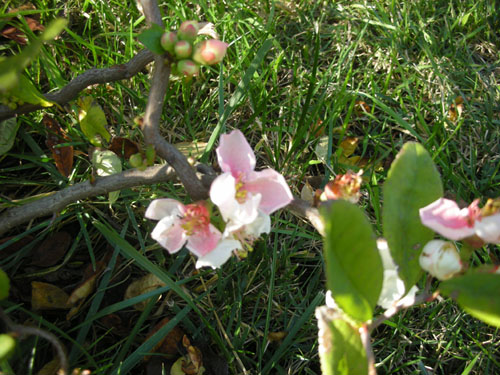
[84, 80]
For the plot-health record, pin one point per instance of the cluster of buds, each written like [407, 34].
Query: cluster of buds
[189, 55]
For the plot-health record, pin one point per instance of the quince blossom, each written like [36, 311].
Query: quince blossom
[441, 259]
[189, 224]
[446, 218]
[242, 193]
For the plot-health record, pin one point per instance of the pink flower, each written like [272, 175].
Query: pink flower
[180, 224]
[446, 218]
[240, 192]
[209, 52]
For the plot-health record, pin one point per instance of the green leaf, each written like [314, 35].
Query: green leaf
[7, 346]
[412, 183]
[92, 121]
[151, 39]
[354, 270]
[107, 163]
[28, 93]
[8, 131]
[340, 349]
[4, 285]
[477, 293]
[12, 67]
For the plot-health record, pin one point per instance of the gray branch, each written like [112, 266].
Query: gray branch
[103, 185]
[84, 80]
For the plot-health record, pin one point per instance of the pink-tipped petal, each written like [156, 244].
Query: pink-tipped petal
[235, 154]
[488, 229]
[219, 255]
[160, 208]
[169, 234]
[202, 243]
[446, 218]
[272, 186]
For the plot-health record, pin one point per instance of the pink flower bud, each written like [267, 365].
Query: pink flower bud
[188, 68]
[168, 41]
[183, 49]
[209, 52]
[188, 31]
[441, 259]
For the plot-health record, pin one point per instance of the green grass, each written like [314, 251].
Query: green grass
[295, 71]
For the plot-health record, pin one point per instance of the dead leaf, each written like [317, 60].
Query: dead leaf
[87, 286]
[15, 247]
[276, 336]
[51, 250]
[48, 297]
[169, 345]
[307, 193]
[360, 107]
[123, 147]
[63, 156]
[143, 285]
[456, 109]
[194, 363]
[348, 146]
[50, 368]
[16, 33]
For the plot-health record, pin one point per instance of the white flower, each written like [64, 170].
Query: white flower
[441, 259]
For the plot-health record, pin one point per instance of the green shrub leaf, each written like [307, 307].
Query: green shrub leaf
[151, 39]
[107, 163]
[412, 183]
[4, 285]
[8, 131]
[354, 270]
[476, 293]
[341, 350]
[28, 93]
[92, 121]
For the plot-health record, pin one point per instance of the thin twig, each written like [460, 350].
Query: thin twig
[154, 109]
[84, 80]
[22, 330]
[59, 200]
[364, 332]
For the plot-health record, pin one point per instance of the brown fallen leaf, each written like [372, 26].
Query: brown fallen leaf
[456, 109]
[15, 247]
[51, 250]
[87, 286]
[194, 363]
[48, 297]
[123, 147]
[63, 156]
[16, 33]
[276, 336]
[143, 285]
[50, 368]
[169, 345]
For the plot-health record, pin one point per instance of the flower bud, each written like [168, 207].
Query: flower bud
[209, 52]
[441, 259]
[188, 31]
[188, 68]
[168, 41]
[183, 49]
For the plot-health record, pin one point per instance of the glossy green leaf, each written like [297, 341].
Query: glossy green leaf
[340, 349]
[28, 93]
[12, 67]
[92, 121]
[7, 346]
[151, 39]
[412, 183]
[107, 163]
[354, 270]
[8, 131]
[476, 293]
[4, 285]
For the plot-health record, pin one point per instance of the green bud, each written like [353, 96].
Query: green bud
[7, 346]
[183, 49]
[168, 41]
[188, 68]
[188, 31]
[135, 160]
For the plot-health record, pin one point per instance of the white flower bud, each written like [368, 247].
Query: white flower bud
[441, 259]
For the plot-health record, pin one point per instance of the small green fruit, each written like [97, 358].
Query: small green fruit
[7, 346]
[135, 160]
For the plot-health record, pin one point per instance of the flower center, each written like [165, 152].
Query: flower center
[196, 218]
[241, 193]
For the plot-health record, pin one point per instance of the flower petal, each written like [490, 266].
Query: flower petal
[262, 224]
[489, 228]
[159, 208]
[202, 243]
[218, 256]
[273, 188]
[235, 154]
[393, 288]
[446, 218]
[169, 234]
